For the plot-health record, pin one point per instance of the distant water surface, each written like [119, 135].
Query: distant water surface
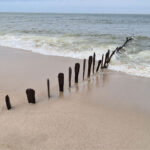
[79, 35]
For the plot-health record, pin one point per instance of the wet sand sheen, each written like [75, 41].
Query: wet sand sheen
[109, 111]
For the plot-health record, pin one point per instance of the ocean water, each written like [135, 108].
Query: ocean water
[80, 35]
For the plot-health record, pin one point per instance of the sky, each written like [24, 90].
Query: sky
[77, 6]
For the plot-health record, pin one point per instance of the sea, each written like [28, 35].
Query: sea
[80, 35]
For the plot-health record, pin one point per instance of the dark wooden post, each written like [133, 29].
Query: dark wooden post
[102, 61]
[89, 65]
[84, 63]
[77, 69]
[108, 55]
[107, 59]
[94, 63]
[70, 74]
[113, 52]
[8, 104]
[99, 62]
[30, 96]
[61, 82]
[48, 88]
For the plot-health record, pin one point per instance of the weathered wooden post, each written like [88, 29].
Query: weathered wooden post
[84, 63]
[61, 82]
[108, 54]
[99, 63]
[48, 88]
[106, 59]
[77, 69]
[102, 61]
[89, 65]
[30, 96]
[70, 74]
[113, 52]
[94, 62]
[8, 104]
[118, 49]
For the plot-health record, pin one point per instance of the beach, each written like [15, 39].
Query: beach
[108, 111]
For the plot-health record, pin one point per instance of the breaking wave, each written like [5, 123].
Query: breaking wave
[137, 63]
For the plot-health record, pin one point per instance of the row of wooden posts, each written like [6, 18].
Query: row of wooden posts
[31, 93]
[102, 63]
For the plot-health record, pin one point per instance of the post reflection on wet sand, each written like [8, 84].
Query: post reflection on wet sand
[100, 79]
[61, 95]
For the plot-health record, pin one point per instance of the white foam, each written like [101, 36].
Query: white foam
[138, 69]
[76, 47]
[57, 46]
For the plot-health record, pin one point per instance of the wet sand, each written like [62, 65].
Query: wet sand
[109, 111]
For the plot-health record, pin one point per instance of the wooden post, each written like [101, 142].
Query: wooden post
[30, 96]
[89, 66]
[118, 49]
[48, 88]
[61, 82]
[8, 104]
[84, 63]
[102, 61]
[99, 62]
[77, 69]
[94, 63]
[113, 52]
[70, 74]
[107, 59]
[108, 54]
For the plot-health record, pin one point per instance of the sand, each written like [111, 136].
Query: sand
[109, 111]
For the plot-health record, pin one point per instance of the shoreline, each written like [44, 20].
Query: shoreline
[50, 72]
[108, 111]
[78, 59]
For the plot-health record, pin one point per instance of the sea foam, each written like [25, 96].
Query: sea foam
[74, 47]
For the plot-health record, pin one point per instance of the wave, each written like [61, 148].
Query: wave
[140, 37]
[76, 46]
[136, 64]
[68, 46]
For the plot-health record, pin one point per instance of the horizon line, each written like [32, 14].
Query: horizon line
[77, 13]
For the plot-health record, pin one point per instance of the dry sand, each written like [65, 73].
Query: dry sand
[111, 111]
